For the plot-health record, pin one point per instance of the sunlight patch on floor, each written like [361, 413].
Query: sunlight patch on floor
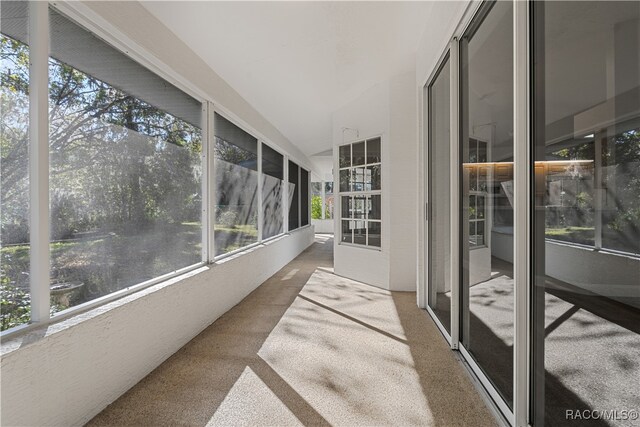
[240, 406]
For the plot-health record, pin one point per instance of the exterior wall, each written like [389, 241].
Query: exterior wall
[323, 225]
[387, 109]
[370, 115]
[68, 373]
[402, 195]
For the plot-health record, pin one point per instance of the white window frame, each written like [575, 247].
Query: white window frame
[353, 193]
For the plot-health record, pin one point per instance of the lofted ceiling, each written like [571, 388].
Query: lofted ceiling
[298, 62]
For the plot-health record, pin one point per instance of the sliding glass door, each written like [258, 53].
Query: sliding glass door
[439, 196]
[586, 231]
[486, 194]
[571, 319]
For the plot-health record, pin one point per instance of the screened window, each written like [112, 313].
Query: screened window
[316, 200]
[14, 161]
[329, 200]
[294, 211]
[304, 197]
[236, 165]
[272, 192]
[360, 193]
[125, 170]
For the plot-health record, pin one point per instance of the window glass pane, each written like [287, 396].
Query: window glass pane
[361, 179]
[375, 230]
[293, 196]
[347, 226]
[374, 206]
[345, 156]
[360, 232]
[236, 159]
[328, 187]
[373, 151]
[358, 154]
[587, 174]
[328, 200]
[272, 192]
[125, 170]
[358, 209]
[373, 177]
[346, 206]
[316, 200]
[472, 207]
[345, 180]
[14, 165]
[486, 77]
[304, 197]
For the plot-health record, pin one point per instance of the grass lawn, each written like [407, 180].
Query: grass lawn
[584, 235]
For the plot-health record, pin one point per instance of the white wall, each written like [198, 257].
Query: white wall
[68, 373]
[323, 225]
[403, 185]
[387, 109]
[370, 115]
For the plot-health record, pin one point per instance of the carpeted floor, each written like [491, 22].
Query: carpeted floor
[310, 348]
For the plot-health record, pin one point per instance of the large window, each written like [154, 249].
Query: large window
[316, 200]
[294, 190]
[236, 165]
[329, 200]
[14, 165]
[587, 209]
[125, 170]
[272, 192]
[360, 193]
[124, 176]
[304, 197]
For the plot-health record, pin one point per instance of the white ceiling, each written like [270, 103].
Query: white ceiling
[298, 62]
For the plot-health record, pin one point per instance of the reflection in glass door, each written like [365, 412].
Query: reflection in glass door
[586, 235]
[439, 196]
[486, 204]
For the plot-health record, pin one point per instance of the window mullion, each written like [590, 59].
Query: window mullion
[211, 178]
[285, 194]
[39, 160]
[260, 201]
[204, 210]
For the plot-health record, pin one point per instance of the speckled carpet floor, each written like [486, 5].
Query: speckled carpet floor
[309, 348]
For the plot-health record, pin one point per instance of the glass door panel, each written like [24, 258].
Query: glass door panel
[486, 211]
[586, 224]
[439, 196]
